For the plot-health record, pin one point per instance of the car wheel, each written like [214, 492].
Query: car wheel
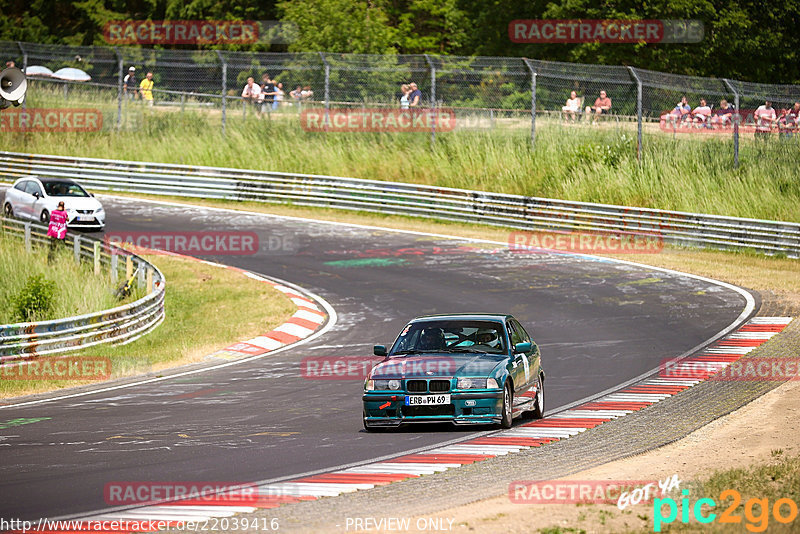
[8, 211]
[45, 217]
[538, 411]
[508, 404]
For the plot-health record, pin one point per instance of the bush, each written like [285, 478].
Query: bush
[35, 300]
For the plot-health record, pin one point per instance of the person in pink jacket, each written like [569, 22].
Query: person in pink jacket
[57, 229]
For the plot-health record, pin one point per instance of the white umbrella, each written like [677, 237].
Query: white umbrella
[38, 70]
[72, 75]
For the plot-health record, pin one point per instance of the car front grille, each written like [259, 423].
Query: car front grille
[439, 386]
[417, 386]
[85, 212]
[436, 409]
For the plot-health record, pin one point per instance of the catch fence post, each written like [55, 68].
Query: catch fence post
[736, 118]
[120, 68]
[433, 99]
[224, 87]
[533, 101]
[327, 89]
[638, 113]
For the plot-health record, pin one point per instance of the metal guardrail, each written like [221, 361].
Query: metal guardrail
[122, 324]
[528, 213]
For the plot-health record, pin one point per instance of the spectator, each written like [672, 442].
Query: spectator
[146, 89]
[701, 114]
[57, 229]
[415, 97]
[679, 113]
[765, 117]
[279, 95]
[723, 115]
[405, 90]
[267, 92]
[602, 106]
[296, 94]
[251, 92]
[572, 107]
[10, 64]
[306, 93]
[130, 82]
[788, 121]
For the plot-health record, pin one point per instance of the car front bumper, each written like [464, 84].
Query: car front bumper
[465, 408]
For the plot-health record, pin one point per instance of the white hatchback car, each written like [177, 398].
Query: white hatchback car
[35, 198]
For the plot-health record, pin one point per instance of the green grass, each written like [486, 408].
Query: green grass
[577, 162]
[207, 309]
[77, 289]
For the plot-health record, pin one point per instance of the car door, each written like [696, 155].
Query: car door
[521, 372]
[24, 202]
[13, 195]
[534, 357]
[36, 198]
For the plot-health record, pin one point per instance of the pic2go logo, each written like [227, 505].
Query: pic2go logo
[756, 511]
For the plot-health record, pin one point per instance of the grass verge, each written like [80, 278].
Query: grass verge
[207, 308]
[76, 289]
[594, 164]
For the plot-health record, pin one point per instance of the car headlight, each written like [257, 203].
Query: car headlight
[476, 383]
[99, 210]
[373, 385]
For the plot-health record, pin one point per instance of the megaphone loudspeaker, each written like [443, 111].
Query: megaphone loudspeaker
[13, 84]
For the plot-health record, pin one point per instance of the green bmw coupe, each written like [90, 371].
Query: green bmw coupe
[463, 369]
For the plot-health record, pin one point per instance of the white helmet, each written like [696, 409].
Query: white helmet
[487, 337]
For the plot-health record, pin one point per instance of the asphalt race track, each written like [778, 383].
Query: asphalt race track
[598, 323]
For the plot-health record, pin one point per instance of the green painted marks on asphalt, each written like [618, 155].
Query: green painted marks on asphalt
[21, 421]
[366, 262]
[643, 281]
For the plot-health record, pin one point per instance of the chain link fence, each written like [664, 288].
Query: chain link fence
[485, 93]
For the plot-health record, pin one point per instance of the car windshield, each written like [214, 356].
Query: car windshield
[450, 336]
[64, 189]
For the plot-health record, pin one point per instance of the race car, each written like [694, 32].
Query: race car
[35, 198]
[462, 369]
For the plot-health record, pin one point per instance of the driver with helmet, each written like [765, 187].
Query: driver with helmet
[431, 339]
[487, 337]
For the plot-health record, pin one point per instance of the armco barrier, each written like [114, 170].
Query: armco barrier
[529, 213]
[120, 325]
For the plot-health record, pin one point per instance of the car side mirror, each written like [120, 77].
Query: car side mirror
[522, 347]
[379, 350]
[36, 194]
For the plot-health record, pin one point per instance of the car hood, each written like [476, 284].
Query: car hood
[437, 364]
[75, 203]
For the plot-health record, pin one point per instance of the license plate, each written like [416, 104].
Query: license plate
[85, 218]
[426, 400]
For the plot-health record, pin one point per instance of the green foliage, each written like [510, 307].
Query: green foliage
[35, 299]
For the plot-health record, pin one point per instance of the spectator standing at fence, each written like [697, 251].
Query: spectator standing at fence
[415, 97]
[296, 94]
[10, 64]
[57, 229]
[306, 93]
[267, 91]
[146, 89]
[723, 115]
[129, 85]
[788, 120]
[251, 92]
[701, 114]
[602, 106]
[405, 90]
[279, 95]
[572, 107]
[765, 117]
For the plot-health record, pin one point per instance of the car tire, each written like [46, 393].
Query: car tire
[508, 406]
[44, 217]
[538, 410]
[8, 211]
